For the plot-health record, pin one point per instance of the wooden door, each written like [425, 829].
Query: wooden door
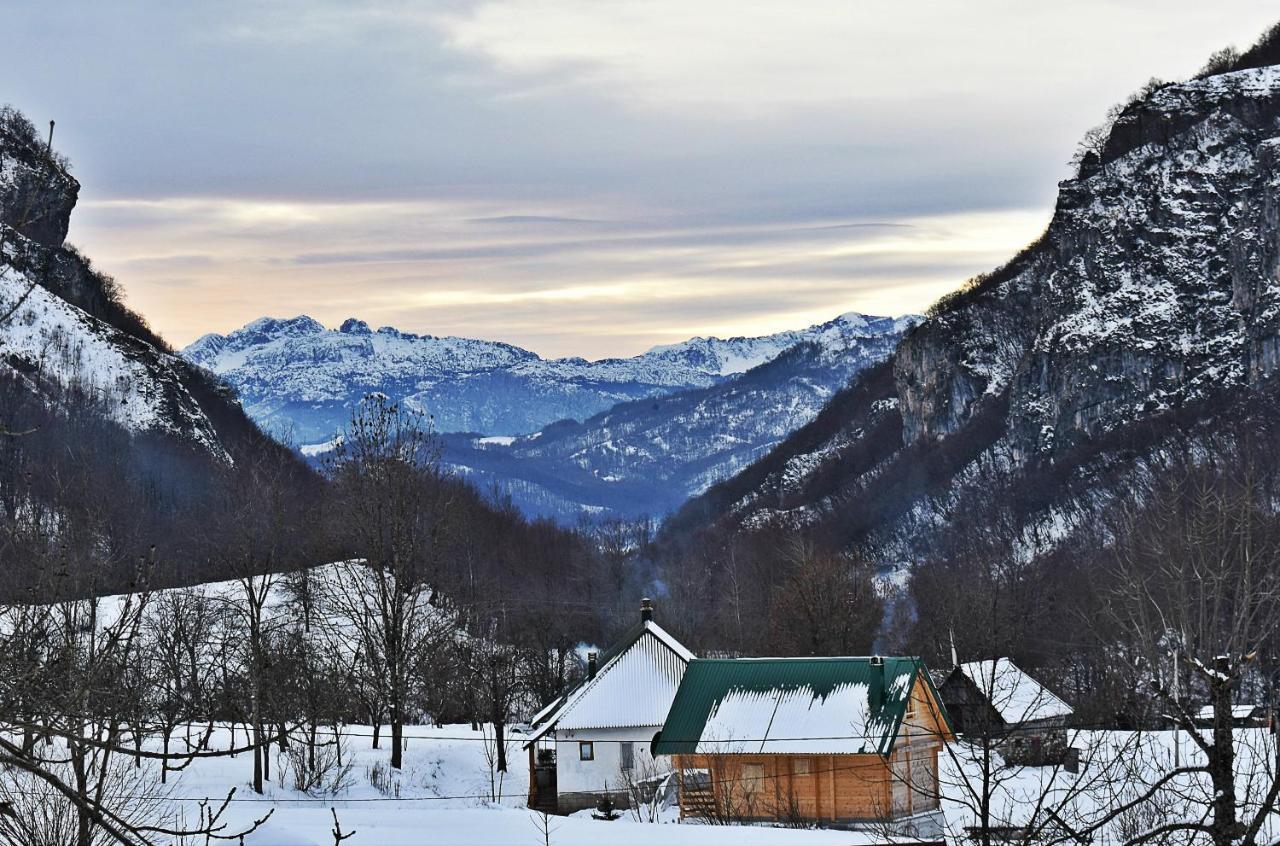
[901, 787]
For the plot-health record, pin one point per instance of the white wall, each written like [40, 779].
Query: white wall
[574, 775]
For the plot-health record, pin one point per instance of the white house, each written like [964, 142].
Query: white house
[596, 738]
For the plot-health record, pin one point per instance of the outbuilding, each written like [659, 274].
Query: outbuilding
[998, 701]
[1242, 716]
[830, 741]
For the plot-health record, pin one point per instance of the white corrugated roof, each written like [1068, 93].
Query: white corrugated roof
[1016, 696]
[546, 711]
[634, 688]
[1238, 712]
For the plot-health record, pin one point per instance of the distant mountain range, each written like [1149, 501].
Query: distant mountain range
[622, 437]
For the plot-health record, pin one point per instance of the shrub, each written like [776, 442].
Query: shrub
[323, 770]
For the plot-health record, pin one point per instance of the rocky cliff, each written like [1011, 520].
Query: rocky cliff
[65, 334]
[1151, 297]
[1154, 286]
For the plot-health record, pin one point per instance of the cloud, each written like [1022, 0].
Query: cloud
[575, 175]
[560, 288]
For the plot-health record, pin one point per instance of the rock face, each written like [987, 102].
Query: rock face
[302, 380]
[1153, 291]
[1154, 286]
[66, 333]
[36, 192]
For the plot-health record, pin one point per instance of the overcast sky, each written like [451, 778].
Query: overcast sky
[582, 177]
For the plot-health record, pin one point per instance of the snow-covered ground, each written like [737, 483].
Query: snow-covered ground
[444, 800]
[443, 796]
[1117, 767]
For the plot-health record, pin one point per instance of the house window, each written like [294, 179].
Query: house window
[586, 751]
[628, 752]
[800, 766]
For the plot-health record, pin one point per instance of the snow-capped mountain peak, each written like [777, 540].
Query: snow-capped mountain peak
[294, 374]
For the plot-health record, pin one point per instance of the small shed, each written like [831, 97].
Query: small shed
[594, 741]
[998, 700]
[832, 741]
[1242, 716]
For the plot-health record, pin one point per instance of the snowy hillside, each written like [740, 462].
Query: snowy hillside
[645, 458]
[1148, 307]
[52, 343]
[64, 333]
[297, 378]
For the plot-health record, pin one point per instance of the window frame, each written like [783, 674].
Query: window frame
[626, 756]
[586, 750]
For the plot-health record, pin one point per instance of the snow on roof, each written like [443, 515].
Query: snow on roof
[1016, 696]
[1238, 712]
[845, 706]
[546, 711]
[668, 641]
[794, 721]
[634, 687]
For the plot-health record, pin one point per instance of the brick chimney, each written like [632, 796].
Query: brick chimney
[646, 609]
[591, 665]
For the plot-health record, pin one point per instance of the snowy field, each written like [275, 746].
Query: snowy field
[443, 796]
[444, 800]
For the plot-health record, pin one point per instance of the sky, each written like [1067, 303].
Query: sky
[579, 177]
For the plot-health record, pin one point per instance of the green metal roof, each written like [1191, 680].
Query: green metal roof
[791, 706]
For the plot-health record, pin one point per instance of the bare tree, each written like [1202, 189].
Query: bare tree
[828, 604]
[80, 761]
[1197, 575]
[494, 672]
[392, 503]
[179, 648]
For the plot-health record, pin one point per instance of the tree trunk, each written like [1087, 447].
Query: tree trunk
[499, 729]
[84, 824]
[397, 739]
[1225, 829]
[164, 763]
[257, 755]
[397, 705]
[266, 758]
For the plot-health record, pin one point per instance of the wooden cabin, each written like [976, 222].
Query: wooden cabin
[997, 700]
[829, 741]
[595, 740]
